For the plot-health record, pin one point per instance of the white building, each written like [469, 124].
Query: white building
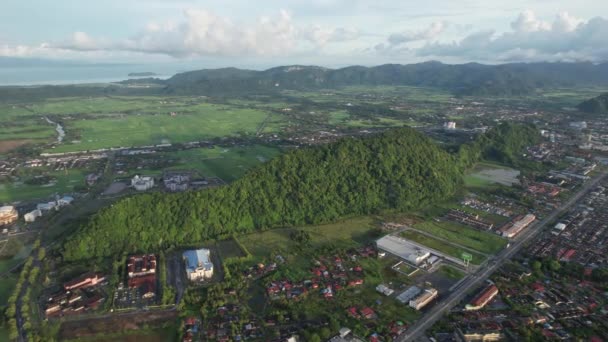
[65, 200]
[560, 227]
[32, 215]
[142, 183]
[198, 264]
[385, 290]
[403, 249]
[450, 125]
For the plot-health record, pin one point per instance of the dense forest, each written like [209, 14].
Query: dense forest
[596, 105]
[400, 169]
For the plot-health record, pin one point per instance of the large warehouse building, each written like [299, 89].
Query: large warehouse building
[404, 249]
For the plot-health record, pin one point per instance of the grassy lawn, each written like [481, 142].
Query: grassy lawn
[7, 285]
[441, 246]
[484, 242]
[17, 191]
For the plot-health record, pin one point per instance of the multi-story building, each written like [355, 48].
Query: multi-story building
[198, 264]
[142, 183]
[141, 265]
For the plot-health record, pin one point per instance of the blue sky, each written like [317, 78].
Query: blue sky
[324, 32]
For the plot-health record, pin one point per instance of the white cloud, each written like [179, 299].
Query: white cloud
[428, 33]
[531, 39]
[203, 33]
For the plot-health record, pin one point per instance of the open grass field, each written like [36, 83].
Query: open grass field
[226, 163]
[485, 174]
[484, 242]
[441, 246]
[348, 233]
[202, 122]
[18, 191]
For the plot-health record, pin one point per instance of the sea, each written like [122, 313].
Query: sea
[82, 74]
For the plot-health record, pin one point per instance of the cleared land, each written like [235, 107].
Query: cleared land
[484, 242]
[441, 246]
[486, 174]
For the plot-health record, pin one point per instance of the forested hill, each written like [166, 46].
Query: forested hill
[596, 105]
[399, 169]
[463, 79]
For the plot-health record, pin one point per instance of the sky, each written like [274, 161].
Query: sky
[332, 33]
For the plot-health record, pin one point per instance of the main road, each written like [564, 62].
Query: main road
[476, 279]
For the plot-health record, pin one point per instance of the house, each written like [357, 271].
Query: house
[198, 264]
[367, 313]
[142, 183]
[32, 215]
[8, 215]
[385, 290]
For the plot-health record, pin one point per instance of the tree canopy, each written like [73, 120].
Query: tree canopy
[400, 169]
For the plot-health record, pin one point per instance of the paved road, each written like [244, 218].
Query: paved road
[476, 279]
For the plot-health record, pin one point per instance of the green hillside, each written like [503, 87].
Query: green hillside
[596, 105]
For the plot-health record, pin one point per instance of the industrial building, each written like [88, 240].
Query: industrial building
[198, 264]
[8, 215]
[423, 299]
[483, 298]
[403, 249]
[142, 183]
[409, 294]
[517, 226]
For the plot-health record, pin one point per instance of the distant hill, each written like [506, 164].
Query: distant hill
[596, 105]
[463, 79]
[142, 74]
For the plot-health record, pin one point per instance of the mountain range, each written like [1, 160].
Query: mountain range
[462, 79]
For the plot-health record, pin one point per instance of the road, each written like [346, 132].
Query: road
[476, 279]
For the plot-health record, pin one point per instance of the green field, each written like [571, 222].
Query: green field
[343, 234]
[486, 175]
[202, 121]
[7, 285]
[18, 191]
[441, 246]
[226, 163]
[484, 242]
